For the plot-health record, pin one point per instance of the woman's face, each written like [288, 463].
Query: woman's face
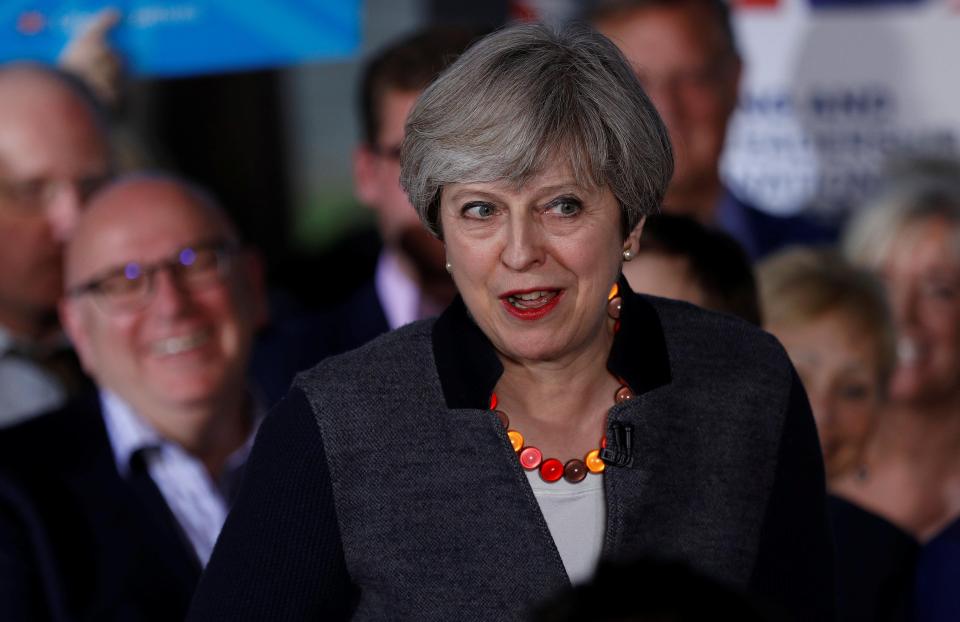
[922, 276]
[839, 369]
[535, 264]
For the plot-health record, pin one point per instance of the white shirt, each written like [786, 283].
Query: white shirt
[399, 294]
[198, 503]
[26, 388]
[576, 515]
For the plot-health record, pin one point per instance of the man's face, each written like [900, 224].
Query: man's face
[377, 182]
[377, 169]
[690, 73]
[52, 154]
[187, 341]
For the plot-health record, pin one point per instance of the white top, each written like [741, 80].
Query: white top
[199, 503]
[26, 388]
[576, 515]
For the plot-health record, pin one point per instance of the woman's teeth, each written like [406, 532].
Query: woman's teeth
[531, 300]
[176, 345]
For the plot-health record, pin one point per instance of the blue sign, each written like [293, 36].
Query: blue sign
[183, 37]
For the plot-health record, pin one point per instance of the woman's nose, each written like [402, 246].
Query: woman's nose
[524, 246]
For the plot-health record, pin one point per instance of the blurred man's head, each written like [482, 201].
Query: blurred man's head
[686, 58]
[53, 153]
[162, 302]
[682, 259]
[392, 81]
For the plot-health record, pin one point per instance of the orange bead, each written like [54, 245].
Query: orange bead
[516, 439]
[613, 291]
[594, 463]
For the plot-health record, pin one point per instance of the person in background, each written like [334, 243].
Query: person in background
[834, 322]
[474, 464]
[680, 258]
[685, 54]
[410, 282]
[53, 154]
[110, 506]
[909, 235]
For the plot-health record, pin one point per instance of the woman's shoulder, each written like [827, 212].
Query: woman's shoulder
[390, 359]
[692, 332]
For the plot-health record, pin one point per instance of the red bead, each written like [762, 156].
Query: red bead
[613, 307]
[623, 394]
[502, 416]
[616, 327]
[493, 401]
[574, 471]
[551, 470]
[530, 458]
[603, 443]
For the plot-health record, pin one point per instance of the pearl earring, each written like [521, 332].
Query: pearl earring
[449, 267]
[627, 254]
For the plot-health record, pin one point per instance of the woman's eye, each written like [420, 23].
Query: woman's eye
[478, 210]
[565, 207]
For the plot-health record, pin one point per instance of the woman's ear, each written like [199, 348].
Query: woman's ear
[632, 243]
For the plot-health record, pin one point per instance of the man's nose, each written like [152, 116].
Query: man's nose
[63, 210]
[171, 296]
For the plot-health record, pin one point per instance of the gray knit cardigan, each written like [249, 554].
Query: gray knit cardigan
[382, 488]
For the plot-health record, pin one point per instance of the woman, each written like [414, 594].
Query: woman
[911, 469]
[834, 322]
[911, 237]
[471, 466]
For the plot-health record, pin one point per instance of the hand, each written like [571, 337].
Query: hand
[90, 57]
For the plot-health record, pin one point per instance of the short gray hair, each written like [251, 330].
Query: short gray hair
[525, 96]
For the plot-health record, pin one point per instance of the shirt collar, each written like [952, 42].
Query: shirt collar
[129, 433]
[469, 368]
[399, 295]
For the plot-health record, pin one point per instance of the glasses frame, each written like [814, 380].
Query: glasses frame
[225, 251]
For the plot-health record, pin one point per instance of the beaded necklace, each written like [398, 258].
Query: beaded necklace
[574, 470]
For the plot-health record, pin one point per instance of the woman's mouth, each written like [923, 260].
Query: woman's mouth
[531, 304]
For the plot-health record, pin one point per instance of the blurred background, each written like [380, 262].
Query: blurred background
[257, 99]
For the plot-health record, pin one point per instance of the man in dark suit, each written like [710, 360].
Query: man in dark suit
[109, 508]
[410, 281]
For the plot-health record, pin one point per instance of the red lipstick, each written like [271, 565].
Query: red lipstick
[531, 304]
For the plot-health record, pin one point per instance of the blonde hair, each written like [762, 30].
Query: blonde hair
[801, 285]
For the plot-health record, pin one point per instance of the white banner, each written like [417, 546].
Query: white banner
[835, 89]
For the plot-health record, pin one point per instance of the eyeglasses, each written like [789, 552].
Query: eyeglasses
[31, 195]
[131, 287]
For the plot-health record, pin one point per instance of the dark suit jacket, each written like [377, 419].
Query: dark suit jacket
[78, 541]
[297, 339]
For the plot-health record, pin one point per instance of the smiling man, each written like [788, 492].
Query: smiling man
[110, 508]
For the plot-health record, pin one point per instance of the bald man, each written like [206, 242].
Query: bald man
[53, 154]
[110, 507]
